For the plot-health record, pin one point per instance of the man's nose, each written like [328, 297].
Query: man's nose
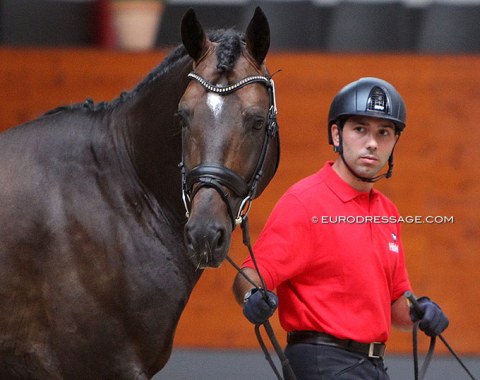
[372, 142]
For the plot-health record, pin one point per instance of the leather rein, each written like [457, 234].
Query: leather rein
[420, 374]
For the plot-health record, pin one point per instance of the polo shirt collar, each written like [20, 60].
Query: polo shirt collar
[338, 186]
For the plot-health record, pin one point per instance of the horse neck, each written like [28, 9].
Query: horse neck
[153, 140]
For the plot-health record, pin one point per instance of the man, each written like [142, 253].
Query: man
[332, 249]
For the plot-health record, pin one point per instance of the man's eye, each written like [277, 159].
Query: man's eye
[385, 132]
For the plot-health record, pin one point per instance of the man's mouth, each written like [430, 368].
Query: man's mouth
[369, 159]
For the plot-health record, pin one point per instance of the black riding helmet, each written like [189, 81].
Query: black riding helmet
[367, 97]
[371, 97]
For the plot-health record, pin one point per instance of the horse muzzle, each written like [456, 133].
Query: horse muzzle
[208, 231]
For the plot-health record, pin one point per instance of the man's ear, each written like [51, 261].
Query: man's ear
[335, 135]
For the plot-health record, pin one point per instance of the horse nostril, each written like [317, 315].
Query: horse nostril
[189, 239]
[219, 240]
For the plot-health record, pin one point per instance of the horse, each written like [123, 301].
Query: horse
[111, 211]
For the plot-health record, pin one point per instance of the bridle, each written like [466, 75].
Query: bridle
[221, 178]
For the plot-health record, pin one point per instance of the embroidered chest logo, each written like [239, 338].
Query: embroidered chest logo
[393, 246]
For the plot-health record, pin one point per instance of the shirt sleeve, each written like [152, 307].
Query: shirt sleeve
[401, 281]
[281, 249]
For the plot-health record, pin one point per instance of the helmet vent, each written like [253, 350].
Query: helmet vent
[377, 100]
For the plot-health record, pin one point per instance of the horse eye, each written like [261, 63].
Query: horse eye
[181, 120]
[258, 123]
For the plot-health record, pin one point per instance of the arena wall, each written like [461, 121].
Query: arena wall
[436, 165]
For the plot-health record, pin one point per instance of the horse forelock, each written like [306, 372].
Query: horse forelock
[229, 47]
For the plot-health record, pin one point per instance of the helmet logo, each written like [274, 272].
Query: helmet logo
[378, 101]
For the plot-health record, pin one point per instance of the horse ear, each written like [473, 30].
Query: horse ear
[193, 37]
[257, 36]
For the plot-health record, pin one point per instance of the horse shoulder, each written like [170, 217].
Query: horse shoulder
[80, 237]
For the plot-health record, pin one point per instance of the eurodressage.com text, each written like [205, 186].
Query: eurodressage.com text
[385, 219]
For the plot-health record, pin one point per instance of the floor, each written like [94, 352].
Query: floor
[186, 364]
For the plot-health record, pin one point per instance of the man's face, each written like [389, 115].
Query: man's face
[367, 144]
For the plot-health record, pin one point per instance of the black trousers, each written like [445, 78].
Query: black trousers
[321, 362]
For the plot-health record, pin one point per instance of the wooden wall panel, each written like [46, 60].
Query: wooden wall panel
[436, 169]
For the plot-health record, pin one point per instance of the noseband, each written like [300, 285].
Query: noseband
[219, 177]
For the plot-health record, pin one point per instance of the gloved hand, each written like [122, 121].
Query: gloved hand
[257, 309]
[432, 321]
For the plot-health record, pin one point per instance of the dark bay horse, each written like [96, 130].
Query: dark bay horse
[97, 256]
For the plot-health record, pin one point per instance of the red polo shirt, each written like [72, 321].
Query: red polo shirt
[335, 257]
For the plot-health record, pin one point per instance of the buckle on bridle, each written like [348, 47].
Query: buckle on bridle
[243, 210]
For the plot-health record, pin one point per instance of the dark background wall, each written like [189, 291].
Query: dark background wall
[299, 25]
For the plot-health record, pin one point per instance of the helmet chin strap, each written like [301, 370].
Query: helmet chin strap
[387, 174]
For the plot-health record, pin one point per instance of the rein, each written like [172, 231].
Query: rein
[426, 362]
[287, 369]
[219, 177]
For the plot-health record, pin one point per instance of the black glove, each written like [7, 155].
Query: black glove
[259, 306]
[432, 320]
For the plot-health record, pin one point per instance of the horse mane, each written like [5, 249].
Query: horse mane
[229, 48]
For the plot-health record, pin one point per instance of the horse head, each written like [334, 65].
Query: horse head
[230, 144]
